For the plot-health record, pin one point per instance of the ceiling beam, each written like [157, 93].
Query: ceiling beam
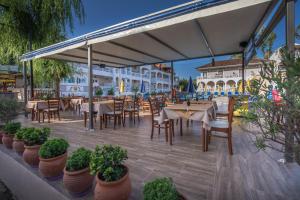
[84, 58]
[204, 38]
[110, 55]
[165, 44]
[137, 51]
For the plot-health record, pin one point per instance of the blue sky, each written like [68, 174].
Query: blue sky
[100, 14]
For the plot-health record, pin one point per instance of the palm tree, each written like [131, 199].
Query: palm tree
[267, 46]
[298, 32]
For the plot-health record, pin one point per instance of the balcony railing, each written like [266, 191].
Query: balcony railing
[219, 76]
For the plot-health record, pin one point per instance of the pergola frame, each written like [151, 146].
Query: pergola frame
[287, 7]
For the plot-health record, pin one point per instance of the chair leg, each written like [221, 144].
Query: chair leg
[133, 117]
[230, 143]
[105, 119]
[123, 120]
[158, 129]
[49, 115]
[166, 130]
[171, 132]
[101, 121]
[181, 126]
[58, 116]
[43, 116]
[115, 121]
[152, 130]
[203, 140]
[85, 118]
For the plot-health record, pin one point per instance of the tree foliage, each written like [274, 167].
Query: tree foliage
[277, 122]
[43, 21]
[267, 46]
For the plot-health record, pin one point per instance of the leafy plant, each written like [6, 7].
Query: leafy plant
[12, 127]
[99, 91]
[111, 91]
[20, 133]
[34, 136]
[53, 148]
[160, 189]
[108, 161]
[8, 109]
[80, 159]
[275, 121]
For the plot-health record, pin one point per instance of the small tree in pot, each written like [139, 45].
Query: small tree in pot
[53, 157]
[113, 182]
[161, 189]
[10, 130]
[18, 144]
[77, 178]
[33, 139]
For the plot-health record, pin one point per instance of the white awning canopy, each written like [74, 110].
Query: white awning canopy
[193, 30]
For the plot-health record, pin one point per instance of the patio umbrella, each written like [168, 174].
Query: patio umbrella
[191, 88]
[122, 87]
[143, 90]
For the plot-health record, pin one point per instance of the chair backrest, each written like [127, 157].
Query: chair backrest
[230, 109]
[53, 104]
[154, 107]
[119, 105]
[210, 97]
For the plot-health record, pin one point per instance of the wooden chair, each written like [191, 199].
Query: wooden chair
[167, 124]
[224, 126]
[117, 113]
[52, 110]
[133, 110]
[223, 113]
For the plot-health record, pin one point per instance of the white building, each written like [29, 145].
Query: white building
[156, 78]
[226, 75]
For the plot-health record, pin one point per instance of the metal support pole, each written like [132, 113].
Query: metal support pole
[90, 81]
[290, 26]
[31, 80]
[243, 72]
[172, 79]
[25, 87]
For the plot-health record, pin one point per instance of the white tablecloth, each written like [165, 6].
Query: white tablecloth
[100, 107]
[195, 112]
[41, 105]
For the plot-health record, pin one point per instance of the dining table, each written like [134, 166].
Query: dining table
[203, 112]
[35, 106]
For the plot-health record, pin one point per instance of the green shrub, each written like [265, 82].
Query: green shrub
[34, 136]
[20, 133]
[79, 159]
[111, 91]
[53, 148]
[160, 189]
[8, 109]
[99, 91]
[12, 127]
[108, 160]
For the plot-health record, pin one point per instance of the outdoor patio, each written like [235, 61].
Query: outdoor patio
[214, 174]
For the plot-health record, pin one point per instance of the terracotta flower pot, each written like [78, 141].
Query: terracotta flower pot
[31, 155]
[53, 167]
[78, 182]
[7, 140]
[18, 146]
[115, 190]
[1, 137]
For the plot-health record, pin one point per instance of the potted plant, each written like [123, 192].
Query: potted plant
[113, 182]
[161, 189]
[111, 92]
[10, 130]
[18, 144]
[99, 91]
[33, 139]
[77, 178]
[53, 157]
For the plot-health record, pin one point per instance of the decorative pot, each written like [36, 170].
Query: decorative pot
[115, 190]
[7, 140]
[18, 146]
[31, 155]
[1, 137]
[53, 167]
[78, 182]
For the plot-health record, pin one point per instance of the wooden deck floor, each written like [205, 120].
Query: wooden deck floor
[247, 174]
